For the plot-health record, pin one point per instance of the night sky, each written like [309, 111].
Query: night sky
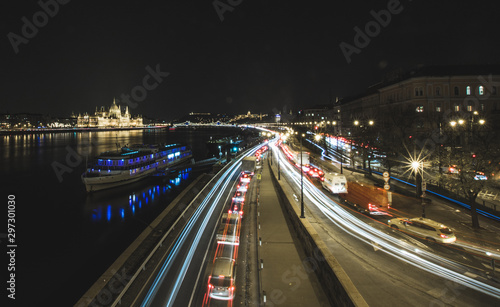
[264, 56]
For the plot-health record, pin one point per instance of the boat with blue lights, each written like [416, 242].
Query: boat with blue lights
[130, 164]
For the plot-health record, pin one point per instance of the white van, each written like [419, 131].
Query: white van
[335, 183]
[425, 228]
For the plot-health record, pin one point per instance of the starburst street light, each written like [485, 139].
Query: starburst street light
[415, 165]
[317, 137]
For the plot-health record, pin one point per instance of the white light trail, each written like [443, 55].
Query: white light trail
[390, 245]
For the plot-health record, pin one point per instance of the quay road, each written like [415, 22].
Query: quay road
[388, 267]
[180, 277]
[174, 281]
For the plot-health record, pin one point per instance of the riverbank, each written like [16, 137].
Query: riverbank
[65, 130]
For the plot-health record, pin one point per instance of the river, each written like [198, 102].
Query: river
[65, 237]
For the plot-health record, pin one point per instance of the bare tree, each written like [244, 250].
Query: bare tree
[473, 150]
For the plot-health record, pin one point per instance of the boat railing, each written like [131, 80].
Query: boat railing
[93, 164]
[117, 167]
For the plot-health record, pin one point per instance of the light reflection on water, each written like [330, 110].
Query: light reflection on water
[121, 207]
[91, 231]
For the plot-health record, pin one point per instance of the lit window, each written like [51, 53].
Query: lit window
[481, 90]
[420, 109]
[438, 108]
[457, 108]
[469, 108]
[467, 91]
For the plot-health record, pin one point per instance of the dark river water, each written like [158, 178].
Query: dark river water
[66, 238]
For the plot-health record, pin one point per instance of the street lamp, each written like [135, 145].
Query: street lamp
[301, 180]
[418, 168]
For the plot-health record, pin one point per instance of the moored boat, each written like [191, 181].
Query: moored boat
[130, 164]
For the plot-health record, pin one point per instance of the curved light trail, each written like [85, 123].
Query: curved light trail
[209, 200]
[390, 245]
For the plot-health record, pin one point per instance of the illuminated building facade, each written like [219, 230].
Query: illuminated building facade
[112, 118]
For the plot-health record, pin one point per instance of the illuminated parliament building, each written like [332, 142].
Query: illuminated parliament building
[112, 118]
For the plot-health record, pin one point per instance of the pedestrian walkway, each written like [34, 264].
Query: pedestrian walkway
[284, 279]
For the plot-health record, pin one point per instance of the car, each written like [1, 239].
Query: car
[239, 196]
[249, 173]
[480, 176]
[236, 206]
[424, 228]
[245, 178]
[221, 282]
[243, 187]
[316, 173]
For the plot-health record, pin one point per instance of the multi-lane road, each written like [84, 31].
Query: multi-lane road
[387, 266]
[180, 279]
[390, 267]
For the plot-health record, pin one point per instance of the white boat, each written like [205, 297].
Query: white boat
[130, 164]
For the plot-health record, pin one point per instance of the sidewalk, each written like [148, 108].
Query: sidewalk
[284, 278]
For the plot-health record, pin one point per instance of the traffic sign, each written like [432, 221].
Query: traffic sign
[385, 174]
[387, 187]
[258, 176]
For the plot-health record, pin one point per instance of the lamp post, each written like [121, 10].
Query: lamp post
[418, 168]
[341, 154]
[317, 138]
[301, 181]
[279, 171]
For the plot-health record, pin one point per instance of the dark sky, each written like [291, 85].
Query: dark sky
[264, 56]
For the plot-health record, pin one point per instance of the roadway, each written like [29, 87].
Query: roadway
[180, 278]
[390, 267]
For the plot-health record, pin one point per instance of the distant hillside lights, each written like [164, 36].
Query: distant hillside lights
[29, 29]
